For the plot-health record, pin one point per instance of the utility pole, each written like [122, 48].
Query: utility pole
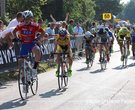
[2, 8]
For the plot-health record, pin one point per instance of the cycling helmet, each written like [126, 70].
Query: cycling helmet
[93, 30]
[88, 34]
[118, 26]
[107, 29]
[102, 31]
[62, 32]
[124, 29]
[27, 14]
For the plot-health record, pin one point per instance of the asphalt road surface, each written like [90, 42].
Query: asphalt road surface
[88, 89]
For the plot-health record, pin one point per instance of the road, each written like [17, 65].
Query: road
[88, 89]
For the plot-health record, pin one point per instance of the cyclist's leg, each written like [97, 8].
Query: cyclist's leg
[120, 42]
[70, 60]
[100, 49]
[23, 52]
[107, 51]
[37, 52]
[58, 50]
[86, 53]
[128, 44]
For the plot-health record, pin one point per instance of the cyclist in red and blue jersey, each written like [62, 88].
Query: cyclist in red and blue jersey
[26, 32]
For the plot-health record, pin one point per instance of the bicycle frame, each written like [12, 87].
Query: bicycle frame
[62, 71]
[26, 78]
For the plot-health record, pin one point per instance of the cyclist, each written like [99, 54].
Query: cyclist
[117, 31]
[104, 40]
[62, 44]
[133, 41]
[111, 38]
[27, 34]
[89, 40]
[124, 33]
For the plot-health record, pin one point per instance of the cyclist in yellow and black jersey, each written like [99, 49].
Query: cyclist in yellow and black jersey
[62, 44]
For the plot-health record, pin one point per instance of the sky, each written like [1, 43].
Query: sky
[125, 1]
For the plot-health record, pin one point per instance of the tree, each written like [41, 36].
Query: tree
[14, 6]
[111, 6]
[82, 10]
[128, 12]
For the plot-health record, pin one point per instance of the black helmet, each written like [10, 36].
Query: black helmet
[102, 31]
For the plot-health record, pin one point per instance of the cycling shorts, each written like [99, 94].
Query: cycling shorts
[26, 48]
[61, 49]
[121, 37]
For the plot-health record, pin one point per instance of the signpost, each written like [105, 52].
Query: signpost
[107, 16]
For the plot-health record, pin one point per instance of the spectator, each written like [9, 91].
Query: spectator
[78, 29]
[1, 30]
[16, 21]
[71, 26]
[57, 28]
[79, 39]
[50, 30]
[1, 26]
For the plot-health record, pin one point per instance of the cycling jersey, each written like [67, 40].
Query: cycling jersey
[88, 41]
[62, 42]
[27, 33]
[123, 32]
[103, 38]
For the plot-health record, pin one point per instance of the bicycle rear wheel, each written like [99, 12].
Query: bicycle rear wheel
[103, 62]
[22, 83]
[91, 59]
[34, 85]
[125, 57]
[60, 77]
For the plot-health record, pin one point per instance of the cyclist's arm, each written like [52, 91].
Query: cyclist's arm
[15, 31]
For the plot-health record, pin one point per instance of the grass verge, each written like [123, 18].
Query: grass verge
[12, 75]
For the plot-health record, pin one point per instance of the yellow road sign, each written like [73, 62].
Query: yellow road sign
[107, 16]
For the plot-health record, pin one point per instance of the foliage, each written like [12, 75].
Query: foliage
[5, 19]
[112, 6]
[128, 11]
[14, 6]
[82, 10]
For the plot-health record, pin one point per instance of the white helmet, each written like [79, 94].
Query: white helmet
[93, 30]
[118, 26]
[27, 14]
[88, 34]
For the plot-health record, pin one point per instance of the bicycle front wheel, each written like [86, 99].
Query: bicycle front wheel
[22, 84]
[60, 77]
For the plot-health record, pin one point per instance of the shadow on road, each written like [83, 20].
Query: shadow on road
[51, 93]
[83, 69]
[124, 67]
[12, 104]
[97, 71]
[4, 85]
